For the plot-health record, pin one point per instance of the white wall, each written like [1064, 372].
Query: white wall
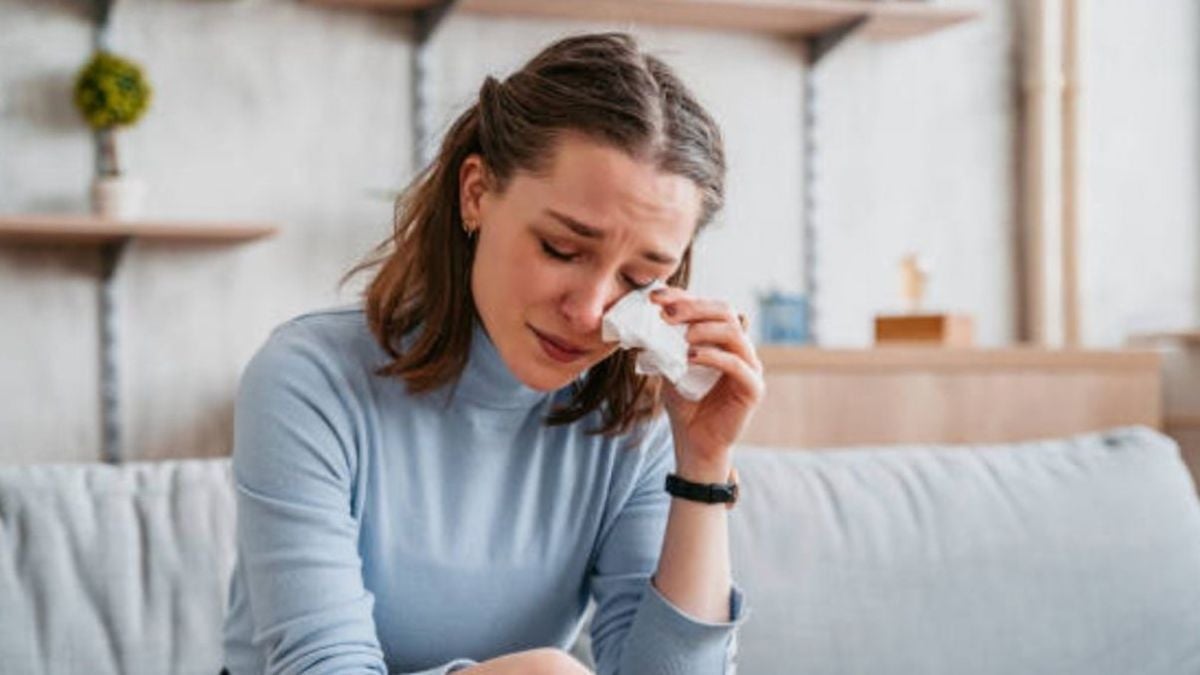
[1140, 262]
[262, 110]
[290, 112]
[917, 153]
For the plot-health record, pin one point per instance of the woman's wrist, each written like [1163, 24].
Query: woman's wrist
[696, 470]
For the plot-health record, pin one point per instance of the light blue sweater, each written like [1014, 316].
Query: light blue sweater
[380, 531]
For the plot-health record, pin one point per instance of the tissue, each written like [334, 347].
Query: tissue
[636, 322]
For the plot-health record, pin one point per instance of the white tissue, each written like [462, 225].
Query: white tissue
[637, 323]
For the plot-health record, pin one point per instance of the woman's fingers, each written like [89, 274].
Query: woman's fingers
[679, 307]
[709, 321]
[748, 380]
[726, 335]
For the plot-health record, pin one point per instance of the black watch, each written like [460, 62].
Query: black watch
[708, 493]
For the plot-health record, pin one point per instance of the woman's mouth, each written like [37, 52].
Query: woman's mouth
[557, 349]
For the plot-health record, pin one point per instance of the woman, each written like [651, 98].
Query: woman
[437, 481]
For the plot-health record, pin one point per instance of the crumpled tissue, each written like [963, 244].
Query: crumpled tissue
[636, 322]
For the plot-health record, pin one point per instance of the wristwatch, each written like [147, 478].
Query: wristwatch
[708, 493]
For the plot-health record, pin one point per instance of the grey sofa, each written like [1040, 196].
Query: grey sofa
[1069, 556]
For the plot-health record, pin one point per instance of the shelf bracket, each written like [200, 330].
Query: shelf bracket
[110, 403]
[101, 11]
[820, 45]
[426, 21]
[429, 18]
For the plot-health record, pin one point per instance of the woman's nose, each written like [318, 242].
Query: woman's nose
[585, 306]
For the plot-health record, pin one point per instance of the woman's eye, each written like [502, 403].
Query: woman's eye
[567, 257]
[556, 254]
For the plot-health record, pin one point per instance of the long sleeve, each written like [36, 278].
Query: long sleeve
[635, 629]
[294, 465]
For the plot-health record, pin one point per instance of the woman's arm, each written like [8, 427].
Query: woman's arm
[694, 570]
[295, 467]
[297, 545]
[636, 629]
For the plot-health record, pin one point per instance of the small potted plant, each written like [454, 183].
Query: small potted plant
[111, 93]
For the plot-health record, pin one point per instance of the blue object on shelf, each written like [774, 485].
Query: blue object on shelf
[784, 318]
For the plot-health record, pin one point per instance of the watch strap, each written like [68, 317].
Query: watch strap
[707, 493]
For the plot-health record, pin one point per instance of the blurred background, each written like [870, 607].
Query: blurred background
[1035, 163]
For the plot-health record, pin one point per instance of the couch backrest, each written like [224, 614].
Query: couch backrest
[114, 569]
[1072, 556]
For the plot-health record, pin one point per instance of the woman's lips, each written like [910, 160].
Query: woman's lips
[556, 349]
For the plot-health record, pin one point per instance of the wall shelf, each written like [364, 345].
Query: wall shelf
[111, 238]
[90, 230]
[794, 18]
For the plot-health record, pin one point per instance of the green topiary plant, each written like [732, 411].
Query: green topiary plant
[111, 92]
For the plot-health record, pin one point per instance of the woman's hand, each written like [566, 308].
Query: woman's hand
[542, 661]
[705, 430]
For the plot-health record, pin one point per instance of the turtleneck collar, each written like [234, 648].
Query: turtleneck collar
[487, 381]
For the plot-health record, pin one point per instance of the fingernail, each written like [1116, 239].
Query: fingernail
[691, 352]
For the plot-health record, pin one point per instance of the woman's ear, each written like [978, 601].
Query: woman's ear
[472, 184]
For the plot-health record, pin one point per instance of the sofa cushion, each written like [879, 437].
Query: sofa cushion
[114, 569]
[1070, 556]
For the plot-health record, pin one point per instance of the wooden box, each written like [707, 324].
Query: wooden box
[947, 330]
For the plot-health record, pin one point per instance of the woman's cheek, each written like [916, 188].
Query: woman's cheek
[547, 279]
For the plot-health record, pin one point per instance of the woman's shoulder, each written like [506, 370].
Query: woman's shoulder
[338, 321]
[334, 340]
[339, 329]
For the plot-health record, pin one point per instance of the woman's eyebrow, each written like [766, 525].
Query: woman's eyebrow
[590, 232]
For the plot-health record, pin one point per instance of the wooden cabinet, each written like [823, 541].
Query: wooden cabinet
[828, 398]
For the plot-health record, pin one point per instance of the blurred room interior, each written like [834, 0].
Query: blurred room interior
[1024, 171]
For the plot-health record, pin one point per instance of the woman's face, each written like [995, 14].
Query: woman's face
[555, 252]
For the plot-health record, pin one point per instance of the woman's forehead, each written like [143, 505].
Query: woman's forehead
[604, 188]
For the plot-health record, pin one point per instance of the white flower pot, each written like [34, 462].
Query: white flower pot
[118, 197]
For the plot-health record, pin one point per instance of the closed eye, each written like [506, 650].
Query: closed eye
[555, 254]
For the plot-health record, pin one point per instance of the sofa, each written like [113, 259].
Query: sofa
[1076, 555]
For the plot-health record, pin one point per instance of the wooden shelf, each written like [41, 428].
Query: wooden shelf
[796, 18]
[82, 229]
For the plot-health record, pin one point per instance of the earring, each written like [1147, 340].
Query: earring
[471, 229]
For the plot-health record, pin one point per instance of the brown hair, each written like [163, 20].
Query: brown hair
[601, 85]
